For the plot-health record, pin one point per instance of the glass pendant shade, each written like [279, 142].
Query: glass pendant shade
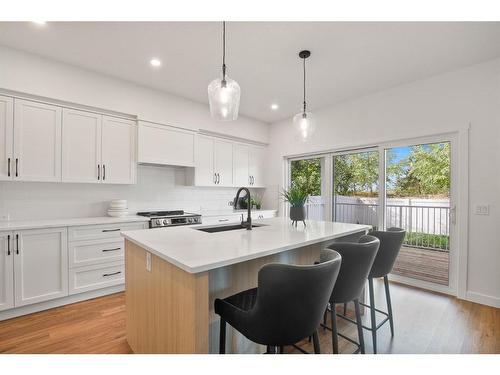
[304, 124]
[224, 99]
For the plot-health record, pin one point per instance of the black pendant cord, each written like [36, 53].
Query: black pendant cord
[224, 52]
[304, 68]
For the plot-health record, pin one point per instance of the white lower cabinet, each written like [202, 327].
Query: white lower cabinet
[96, 256]
[84, 279]
[40, 265]
[6, 271]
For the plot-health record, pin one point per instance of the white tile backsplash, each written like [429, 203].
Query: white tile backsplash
[156, 188]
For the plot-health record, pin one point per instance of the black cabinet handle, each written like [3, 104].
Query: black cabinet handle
[218, 178]
[111, 274]
[111, 230]
[8, 244]
[103, 172]
[17, 244]
[8, 167]
[105, 250]
[215, 178]
[17, 162]
[98, 172]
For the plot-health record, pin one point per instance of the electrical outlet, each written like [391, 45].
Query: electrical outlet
[148, 262]
[5, 217]
[482, 209]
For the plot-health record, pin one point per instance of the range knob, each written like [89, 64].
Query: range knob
[158, 222]
[166, 221]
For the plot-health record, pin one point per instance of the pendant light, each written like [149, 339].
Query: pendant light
[224, 93]
[304, 122]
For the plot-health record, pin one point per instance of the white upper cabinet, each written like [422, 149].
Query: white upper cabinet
[119, 161]
[40, 265]
[213, 162]
[248, 165]
[6, 138]
[160, 144]
[81, 146]
[37, 141]
[256, 167]
[204, 161]
[241, 174]
[223, 162]
[6, 271]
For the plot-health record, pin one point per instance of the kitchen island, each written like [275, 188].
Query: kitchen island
[173, 275]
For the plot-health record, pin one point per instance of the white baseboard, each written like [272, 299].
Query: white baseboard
[483, 299]
[29, 309]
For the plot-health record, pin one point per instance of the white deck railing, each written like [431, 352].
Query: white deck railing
[427, 226]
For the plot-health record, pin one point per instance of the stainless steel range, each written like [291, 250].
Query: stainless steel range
[159, 219]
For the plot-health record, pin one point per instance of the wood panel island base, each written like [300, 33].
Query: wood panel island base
[173, 276]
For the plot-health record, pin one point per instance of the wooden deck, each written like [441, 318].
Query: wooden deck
[422, 264]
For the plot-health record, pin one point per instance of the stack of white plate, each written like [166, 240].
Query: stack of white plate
[118, 208]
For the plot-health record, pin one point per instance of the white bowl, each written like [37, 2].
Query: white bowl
[118, 203]
[117, 209]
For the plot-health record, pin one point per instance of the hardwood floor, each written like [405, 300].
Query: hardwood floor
[423, 264]
[424, 322]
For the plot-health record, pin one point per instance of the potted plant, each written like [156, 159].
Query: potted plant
[256, 203]
[297, 197]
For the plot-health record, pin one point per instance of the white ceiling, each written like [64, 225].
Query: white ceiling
[348, 59]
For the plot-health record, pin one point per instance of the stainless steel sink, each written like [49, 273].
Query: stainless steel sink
[225, 228]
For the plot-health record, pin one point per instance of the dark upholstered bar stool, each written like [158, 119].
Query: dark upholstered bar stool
[286, 307]
[357, 260]
[390, 244]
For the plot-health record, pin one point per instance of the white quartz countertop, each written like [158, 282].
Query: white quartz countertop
[71, 222]
[196, 251]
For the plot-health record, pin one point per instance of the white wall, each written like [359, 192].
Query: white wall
[439, 104]
[25, 72]
[156, 188]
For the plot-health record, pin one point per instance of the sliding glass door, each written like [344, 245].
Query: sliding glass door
[418, 199]
[409, 184]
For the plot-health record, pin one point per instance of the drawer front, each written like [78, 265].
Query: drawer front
[86, 253]
[83, 279]
[95, 232]
[263, 215]
[223, 219]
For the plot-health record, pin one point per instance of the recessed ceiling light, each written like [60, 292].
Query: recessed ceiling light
[274, 106]
[155, 62]
[40, 23]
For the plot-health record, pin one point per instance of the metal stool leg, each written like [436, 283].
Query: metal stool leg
[372, 313]
[335, 338]
[317, 349]
[359, 323]
[389, 305]
[345, 308]
[222, 337]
